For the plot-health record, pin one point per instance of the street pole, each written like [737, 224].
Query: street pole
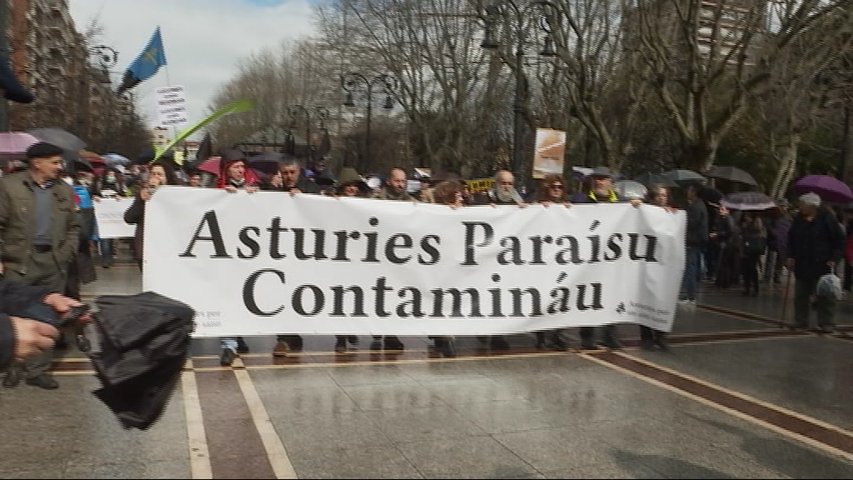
[518, 134]
[369, 114]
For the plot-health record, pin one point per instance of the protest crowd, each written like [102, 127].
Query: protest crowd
[728, 245]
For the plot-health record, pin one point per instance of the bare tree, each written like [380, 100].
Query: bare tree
[707, 57]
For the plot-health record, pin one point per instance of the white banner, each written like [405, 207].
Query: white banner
[267, 263]
[109, 213]
[172, 106]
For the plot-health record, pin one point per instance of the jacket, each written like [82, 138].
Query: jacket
[17, 225]
[697, 223]
[813, 244]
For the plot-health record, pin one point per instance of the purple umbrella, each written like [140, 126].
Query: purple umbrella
[827, 188]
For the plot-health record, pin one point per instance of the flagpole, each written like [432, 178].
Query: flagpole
[169, 84]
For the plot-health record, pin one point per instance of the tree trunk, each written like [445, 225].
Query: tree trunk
[786, 157]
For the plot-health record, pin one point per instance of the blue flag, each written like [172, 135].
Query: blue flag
[146, 64]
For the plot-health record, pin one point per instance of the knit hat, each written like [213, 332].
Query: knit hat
[43, 150]
[810, 199]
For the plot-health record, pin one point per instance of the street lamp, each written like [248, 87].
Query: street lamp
[493, 13]
[320, 113]
[351, 81]
[107, 58]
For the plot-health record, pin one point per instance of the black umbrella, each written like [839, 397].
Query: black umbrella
[732, 174]
[142, 345]
[648, 179]
[266, 162]
[683, 177]
[59, 137]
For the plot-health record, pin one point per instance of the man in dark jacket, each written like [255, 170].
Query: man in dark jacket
[39, 236]
[696, 237]
[290, 179]
[600, 191]
[815, 245]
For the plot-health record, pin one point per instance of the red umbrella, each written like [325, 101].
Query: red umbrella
[827, 188]
[211, 166]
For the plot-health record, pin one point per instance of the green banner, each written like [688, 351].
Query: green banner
[239, 106]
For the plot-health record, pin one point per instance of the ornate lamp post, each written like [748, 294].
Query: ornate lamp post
[319, 113]
[353, 81]
[519, 15]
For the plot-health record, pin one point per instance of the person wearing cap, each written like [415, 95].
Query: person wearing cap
[39, 234]
[815, 245]
[601, 191]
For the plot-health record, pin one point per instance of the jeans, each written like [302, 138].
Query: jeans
[106, 252]
[689, 282]
[229, 343]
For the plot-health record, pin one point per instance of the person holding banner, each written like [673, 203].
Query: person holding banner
[109, 185]
[290, 179]
[233, 177]
[394, 189]
[503, 192]
[552, 191]
[649, 337]
[160, 173]
[601, 191]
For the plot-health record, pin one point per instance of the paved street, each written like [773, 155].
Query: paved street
[737, 396]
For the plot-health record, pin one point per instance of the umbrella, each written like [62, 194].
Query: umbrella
[710, 195]
[266, 162]
[15, 142]
[681, 177]
[142, 343]
[732, 174]
[827, 188]
[650, 179]
[59, 137]
[113, 159]
[211, 166]
[748, 201]
[631, 189]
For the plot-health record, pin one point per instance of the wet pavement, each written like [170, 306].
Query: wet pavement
[736, 396]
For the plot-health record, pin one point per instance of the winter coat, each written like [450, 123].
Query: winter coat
[813, 244]
[17, 222]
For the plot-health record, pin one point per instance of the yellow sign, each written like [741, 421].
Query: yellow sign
[478, 185]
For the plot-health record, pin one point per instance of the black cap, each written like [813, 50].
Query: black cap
[43, 150]
[601, 172]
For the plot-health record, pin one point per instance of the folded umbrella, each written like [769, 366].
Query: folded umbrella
[143, 342]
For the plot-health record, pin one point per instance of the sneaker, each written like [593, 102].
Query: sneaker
[612, 343]
[560, 345]
[242, 346]
[227, 357]
[43, 381]
[280, 349]
[588, 345]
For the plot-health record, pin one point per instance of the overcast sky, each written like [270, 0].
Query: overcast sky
[203, 39]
